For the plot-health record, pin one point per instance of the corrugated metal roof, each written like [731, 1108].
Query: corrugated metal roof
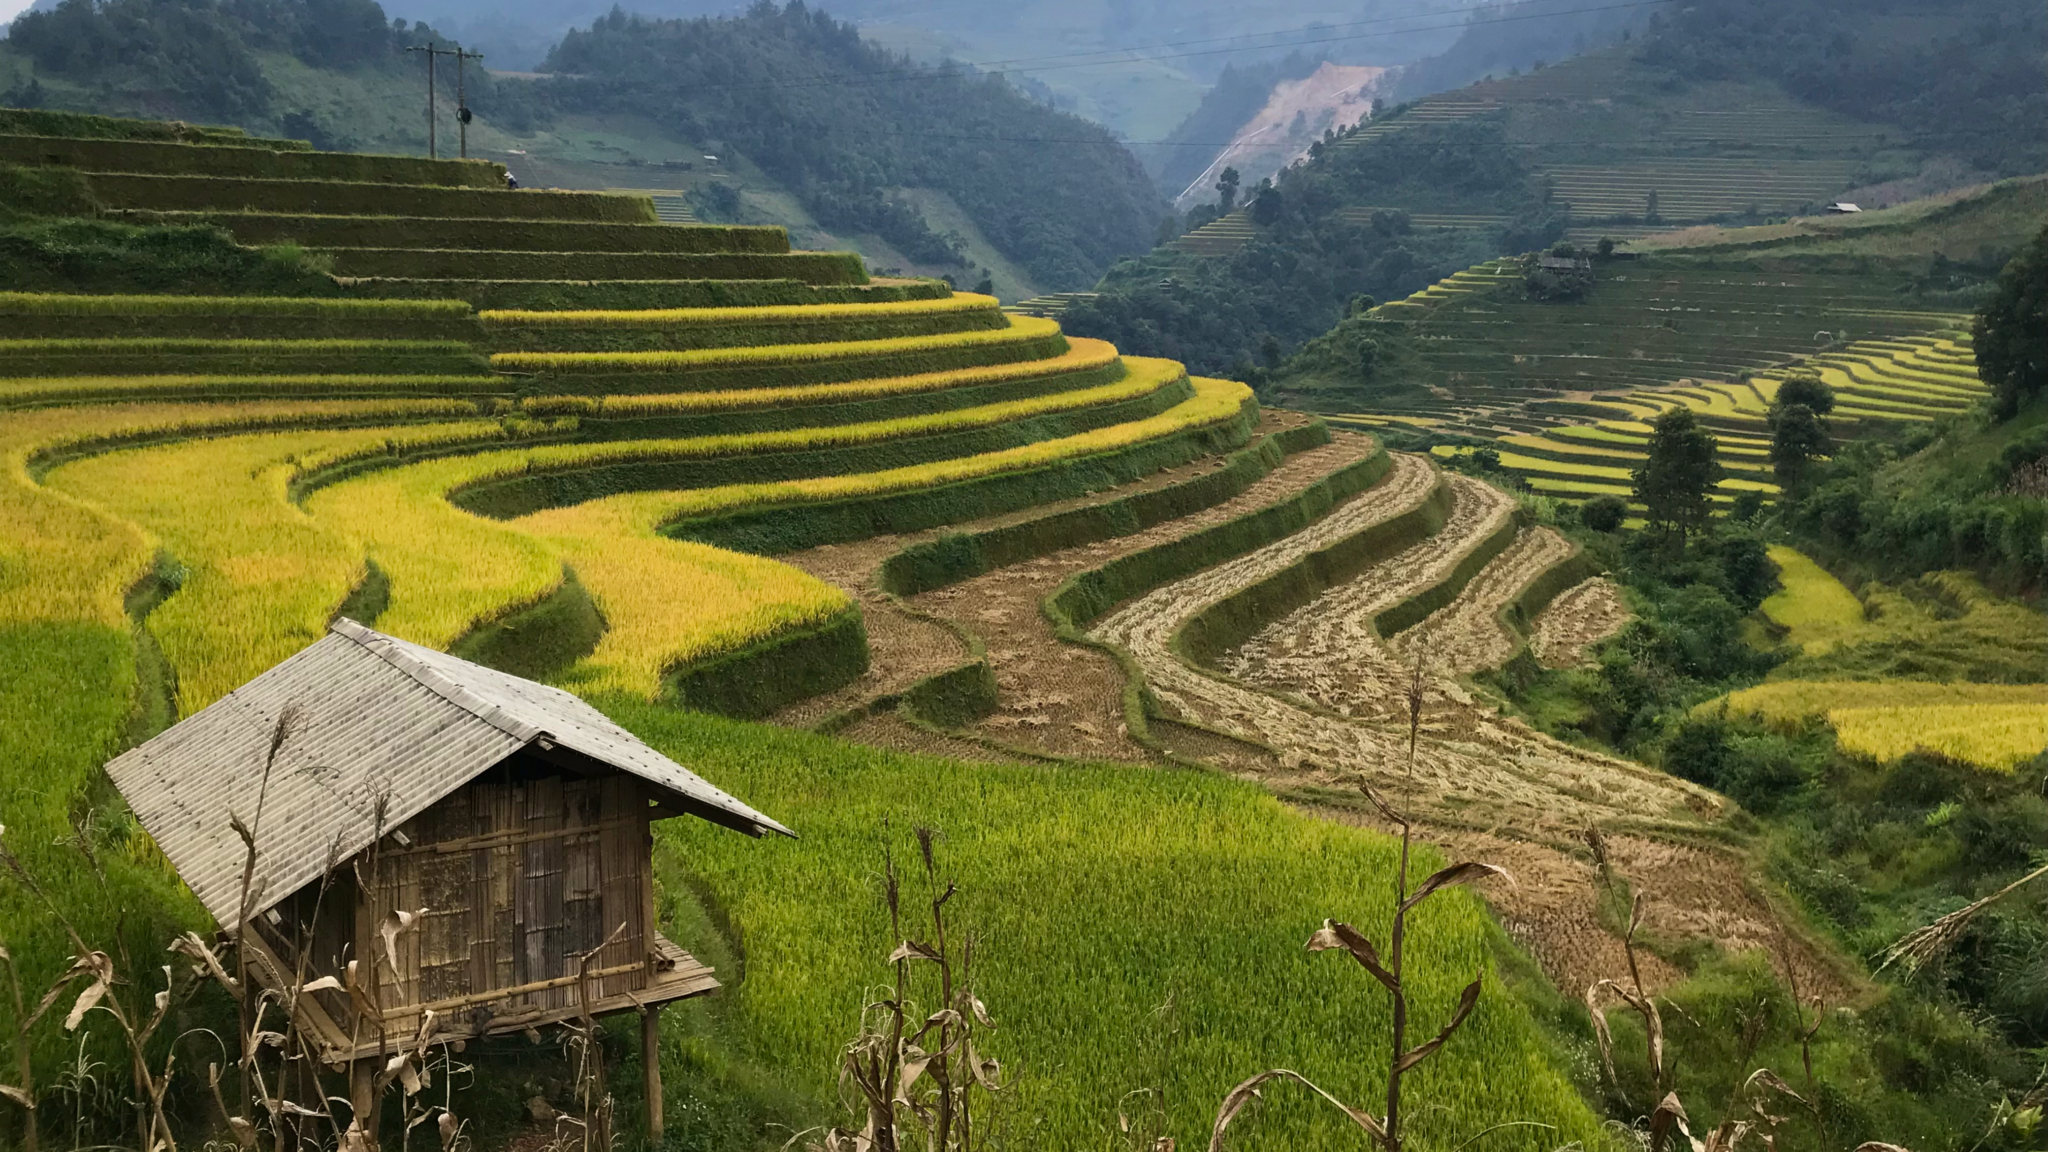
[374, 716]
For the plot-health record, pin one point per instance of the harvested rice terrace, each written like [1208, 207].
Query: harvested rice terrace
[1432, 111]
[1220, 237]
[1697, 189]
[1641, 327]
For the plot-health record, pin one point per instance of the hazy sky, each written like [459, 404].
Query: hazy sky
[9, 9]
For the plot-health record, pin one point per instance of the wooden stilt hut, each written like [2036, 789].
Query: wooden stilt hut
[467, 853]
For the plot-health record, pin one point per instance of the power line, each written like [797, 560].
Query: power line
[955, 69]
[1901, 136]
[1316, 27]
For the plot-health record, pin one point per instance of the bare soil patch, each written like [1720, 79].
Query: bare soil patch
[1580, 617]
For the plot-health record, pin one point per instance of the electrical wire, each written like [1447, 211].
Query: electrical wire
[965, 70]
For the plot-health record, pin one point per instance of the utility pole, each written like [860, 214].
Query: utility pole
[431, 52]
[461, 97]
[461, 94]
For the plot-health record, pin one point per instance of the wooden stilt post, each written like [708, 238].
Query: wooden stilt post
[650, 1065]
[362, 1084]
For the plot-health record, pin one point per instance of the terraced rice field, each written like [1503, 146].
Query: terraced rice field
[1472, 757]
[1699, 189]
[1876, 382]
[1471, 633]
[594, 447]
[1580, 617]
[1219, 237]
[1815, 609]
[1332, 650]
[1993, 726]
[1435, 110]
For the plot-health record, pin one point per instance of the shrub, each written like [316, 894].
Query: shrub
[1603, 513]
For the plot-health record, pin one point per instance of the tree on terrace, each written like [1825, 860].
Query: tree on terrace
[1799, 427]
[2011, 331]
[1672, 485]
[1226, 189]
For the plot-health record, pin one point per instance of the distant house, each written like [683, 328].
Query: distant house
[1842, 208]
[1549, 263]
[378, 778]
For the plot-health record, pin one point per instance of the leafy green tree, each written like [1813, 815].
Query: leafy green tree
[2011, 331]
[1799, 435]
[1799, 427]
[1673, 484]
[1368, 356]
[1749, 506]
[1804, 386]
[1267, 205]
[1226, 189]
[1269, 350]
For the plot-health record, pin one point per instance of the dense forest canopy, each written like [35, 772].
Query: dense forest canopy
[1968, 77]
[199, 56]
[1307, 263]
[843, 122]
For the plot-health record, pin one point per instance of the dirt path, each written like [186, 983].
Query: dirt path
[1580, 617]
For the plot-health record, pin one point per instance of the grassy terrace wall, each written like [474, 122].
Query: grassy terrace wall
[472, 234]
[47, 122]
[1086, 596]
[963, 556]
[770, 531]
[447, 263]
[521, 495]
[146, 357]
[342, 197]
[665, 331]
[228, 157]
[583, 294]
[782, 669]
[605, 374]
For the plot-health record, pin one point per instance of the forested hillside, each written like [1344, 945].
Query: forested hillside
[1319, 244]
[842, 123]
[1967, 77]
[835, 133]
[1726, 111]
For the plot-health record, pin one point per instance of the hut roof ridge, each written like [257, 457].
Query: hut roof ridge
[382, 725]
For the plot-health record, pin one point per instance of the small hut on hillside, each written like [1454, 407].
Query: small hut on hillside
[508, 820]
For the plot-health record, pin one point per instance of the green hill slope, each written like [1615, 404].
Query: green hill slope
[1702, 118]
[890, 168]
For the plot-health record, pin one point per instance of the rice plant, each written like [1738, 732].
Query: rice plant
[1817, 611]
[1023, 330]
[719, 317]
